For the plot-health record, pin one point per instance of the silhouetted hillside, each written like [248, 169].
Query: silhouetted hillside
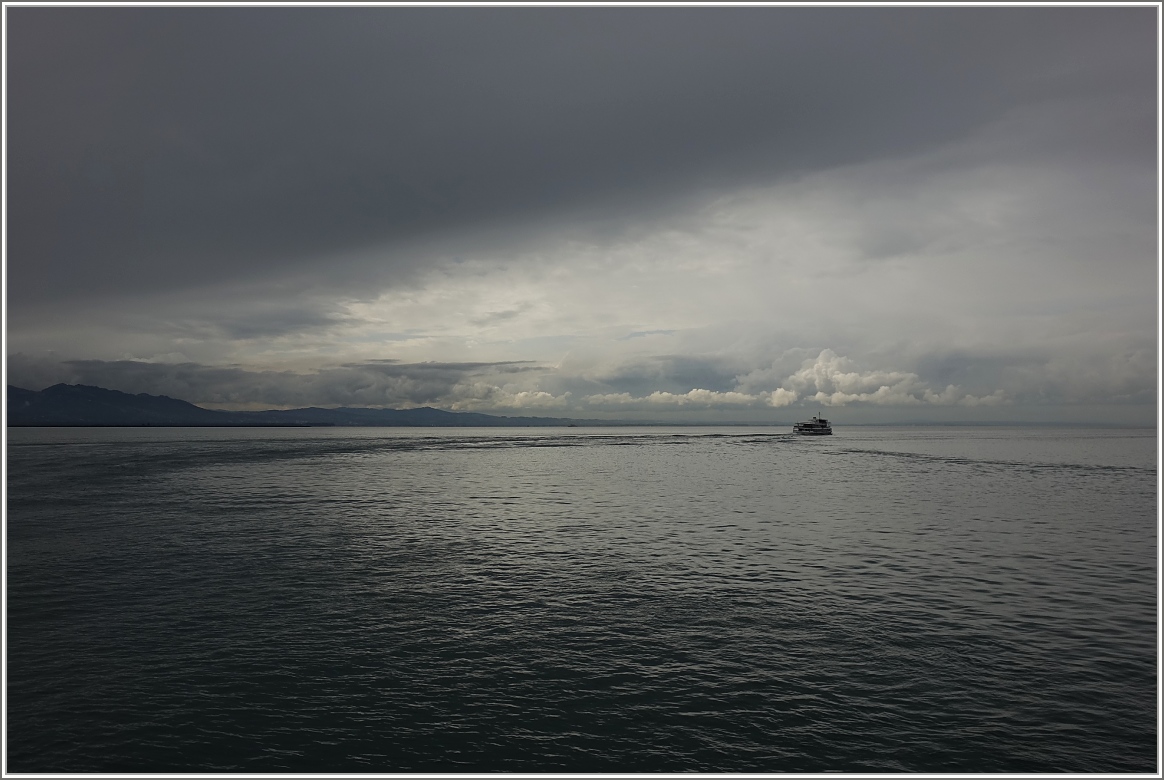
[84, 405]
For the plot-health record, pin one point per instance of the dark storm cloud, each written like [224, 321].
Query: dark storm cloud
[163, 148]
[389, 366]
[243, 324]
[671, 373]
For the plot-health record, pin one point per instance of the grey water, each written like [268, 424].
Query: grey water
[581, 600]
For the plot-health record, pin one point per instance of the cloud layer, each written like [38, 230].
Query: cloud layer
[764, 395]
[616, 212]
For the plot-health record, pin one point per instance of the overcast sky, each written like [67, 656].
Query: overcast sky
[648, 213]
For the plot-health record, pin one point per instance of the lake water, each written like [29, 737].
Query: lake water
[585, 600]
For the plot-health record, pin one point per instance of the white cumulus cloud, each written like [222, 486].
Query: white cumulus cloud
[781, 397]
[695, 397]
[835, 380]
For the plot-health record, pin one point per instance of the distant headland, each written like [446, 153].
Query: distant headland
[87, 406]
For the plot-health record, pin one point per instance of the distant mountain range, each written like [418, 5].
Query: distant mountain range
[84, 405]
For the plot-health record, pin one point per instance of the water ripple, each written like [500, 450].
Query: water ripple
[585, 602]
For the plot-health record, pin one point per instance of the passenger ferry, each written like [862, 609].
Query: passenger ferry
[814, 427]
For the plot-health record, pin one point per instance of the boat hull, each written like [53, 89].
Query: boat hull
[817, 426]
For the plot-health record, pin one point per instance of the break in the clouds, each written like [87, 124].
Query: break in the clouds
[648, 213]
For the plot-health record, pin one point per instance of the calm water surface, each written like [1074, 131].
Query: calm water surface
[590, 600]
